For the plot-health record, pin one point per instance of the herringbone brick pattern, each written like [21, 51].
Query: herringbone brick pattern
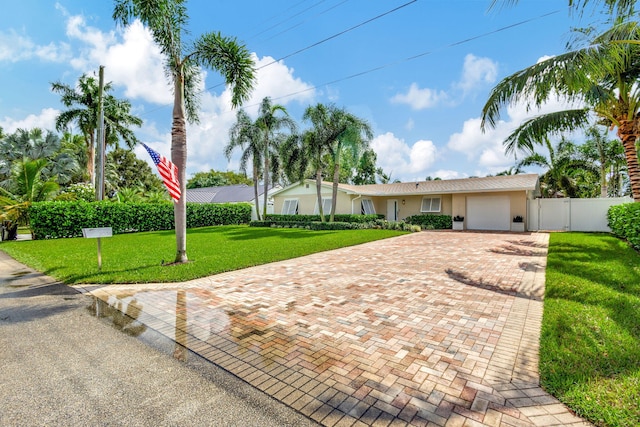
[432, 328]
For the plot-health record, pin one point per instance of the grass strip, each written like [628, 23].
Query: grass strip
[590, 338]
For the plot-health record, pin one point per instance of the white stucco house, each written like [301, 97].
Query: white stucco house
[488, 203]
[240, 193]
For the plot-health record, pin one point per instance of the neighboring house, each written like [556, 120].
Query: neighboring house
[487, 203]
[231, 194]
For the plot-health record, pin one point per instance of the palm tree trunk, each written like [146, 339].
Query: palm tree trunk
[91, 161]
[319, 193]
[627, 134]
[179, 158]
[255, 192]
[265, 175]
[334, 189]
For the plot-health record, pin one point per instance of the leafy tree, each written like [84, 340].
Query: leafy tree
[366, 169]
[215, 178]
[127, 171]
[245, 134]
[603, 76]
[167, 20]
[83, 110]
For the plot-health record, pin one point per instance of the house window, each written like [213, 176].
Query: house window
[430, 204]
[326, 206]
[290, 207]
[367, 207]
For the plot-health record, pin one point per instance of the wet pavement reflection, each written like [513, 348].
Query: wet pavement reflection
[369, 334]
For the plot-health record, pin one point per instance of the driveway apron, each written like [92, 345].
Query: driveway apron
[432, 328]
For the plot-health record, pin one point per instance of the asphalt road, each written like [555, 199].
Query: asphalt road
[62, 366]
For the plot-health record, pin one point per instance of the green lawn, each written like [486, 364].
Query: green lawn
[590, 343]
[138, 257]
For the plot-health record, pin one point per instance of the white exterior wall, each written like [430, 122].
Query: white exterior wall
[571, 214]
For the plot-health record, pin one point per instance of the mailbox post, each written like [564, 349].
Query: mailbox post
[97, 233]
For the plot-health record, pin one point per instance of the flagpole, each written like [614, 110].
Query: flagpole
[100, 142]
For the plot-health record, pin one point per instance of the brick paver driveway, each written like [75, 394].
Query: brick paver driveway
[432, 328]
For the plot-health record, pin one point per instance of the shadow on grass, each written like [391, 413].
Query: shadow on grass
[253, 233]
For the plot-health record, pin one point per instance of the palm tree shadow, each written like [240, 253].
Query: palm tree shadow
[515, 250]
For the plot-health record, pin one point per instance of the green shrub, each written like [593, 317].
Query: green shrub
[431, 222]
[311, 218]
[317, 225]
[624, 221]
[58, 219]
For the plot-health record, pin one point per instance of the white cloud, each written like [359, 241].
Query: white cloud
[15, 47]
[399, 159]
[447, 174]
[419, 99]
[476, 73]
[206, 140]
[45, 120]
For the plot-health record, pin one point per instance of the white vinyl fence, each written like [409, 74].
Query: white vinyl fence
[571, 214]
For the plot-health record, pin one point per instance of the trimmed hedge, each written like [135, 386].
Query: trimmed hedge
[431, 222]
[59, 219]
[317, 225]
[624, 221]
[316, 218]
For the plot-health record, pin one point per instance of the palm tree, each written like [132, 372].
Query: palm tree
[167, 21]
[567, 175]
[83, 109]
[615, 7]
[24, 145]
[603, 76]
[269, 123]
[355, 135]
[25, 186]
[246, 135]
[333, 129]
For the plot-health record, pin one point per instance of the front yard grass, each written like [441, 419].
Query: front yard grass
[590, 341]
[137, 258]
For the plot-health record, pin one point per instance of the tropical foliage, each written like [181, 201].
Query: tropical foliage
[215, 178]
[83, 110]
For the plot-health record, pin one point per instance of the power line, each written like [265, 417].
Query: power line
[389, 64]
[411, 58]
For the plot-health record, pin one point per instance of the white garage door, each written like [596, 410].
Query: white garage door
[488, 213]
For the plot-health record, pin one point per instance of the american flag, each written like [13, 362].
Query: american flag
[168, 171]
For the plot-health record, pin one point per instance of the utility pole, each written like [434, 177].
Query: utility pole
[100, 142]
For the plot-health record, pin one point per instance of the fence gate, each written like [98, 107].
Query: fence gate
[571, 214]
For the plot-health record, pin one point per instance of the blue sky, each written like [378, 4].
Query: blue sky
[420, 74]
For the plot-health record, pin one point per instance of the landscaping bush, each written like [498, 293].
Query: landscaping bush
[52, 220]
[431, 222]
[624, 221]
[317, 225]
[311, 218]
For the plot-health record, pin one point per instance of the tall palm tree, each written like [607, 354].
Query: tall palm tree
[333, 129]
[167, 20]
[602, 76]
[355, 135]
[83, 110]
[270, 123]
[245, 134]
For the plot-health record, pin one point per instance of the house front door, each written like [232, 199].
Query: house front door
[392, 210]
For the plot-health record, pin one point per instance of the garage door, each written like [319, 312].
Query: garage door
[488, 213]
